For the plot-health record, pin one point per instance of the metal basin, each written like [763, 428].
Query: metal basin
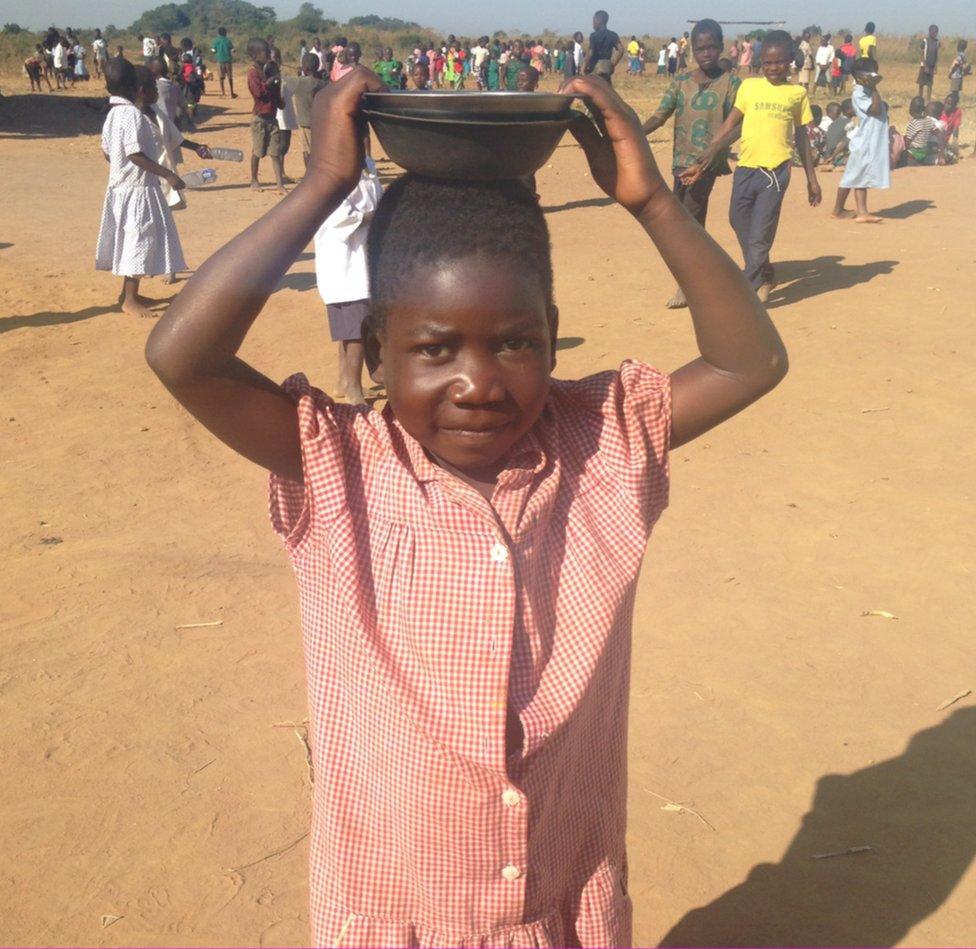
[511, 106]
[467, 149]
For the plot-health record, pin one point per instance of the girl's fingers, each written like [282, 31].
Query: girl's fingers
[586, 135]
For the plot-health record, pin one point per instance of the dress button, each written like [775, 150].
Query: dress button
[511, 873]
[511, 797]
[499, 553]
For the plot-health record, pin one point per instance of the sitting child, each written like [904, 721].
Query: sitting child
[951, 120]
[837, 139]
[924, 140]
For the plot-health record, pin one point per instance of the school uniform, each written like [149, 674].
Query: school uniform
[340, 257]
[468, 667]
[869, 158]
[137, 236]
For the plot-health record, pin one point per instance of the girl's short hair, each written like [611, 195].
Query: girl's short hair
[416, 225]
[120, 78]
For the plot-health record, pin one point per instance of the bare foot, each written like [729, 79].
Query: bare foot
[355, 396]
[763, 293]
[868, 219]
[137, 308]
[677, 301]
[170, 278]
[255, 186]
[281, 189]
[341, 388]
[843, 215]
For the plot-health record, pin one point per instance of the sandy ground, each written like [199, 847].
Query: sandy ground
[143, 762]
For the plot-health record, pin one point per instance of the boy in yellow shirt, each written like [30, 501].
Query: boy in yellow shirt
[867, 45]
[772, 113]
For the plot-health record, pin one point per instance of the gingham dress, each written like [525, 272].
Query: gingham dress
[429, 616]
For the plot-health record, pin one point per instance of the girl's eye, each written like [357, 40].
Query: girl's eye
[516, 345]
[432, 350]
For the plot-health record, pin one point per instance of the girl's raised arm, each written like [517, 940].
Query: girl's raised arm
[193, 349]
[742, 355]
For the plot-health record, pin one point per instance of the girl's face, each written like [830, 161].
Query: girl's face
[776, 62]
[466, 356]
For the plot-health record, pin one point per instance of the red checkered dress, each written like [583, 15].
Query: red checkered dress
[429, 616]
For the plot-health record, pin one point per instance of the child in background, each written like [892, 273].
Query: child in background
[838, 137]
[420, 76]
[169, 93]
[80, 71]
[285, 116]
[192, 84]
[304, 91]
[265, 134]
[959, 68]
[700, 101]
[772, 114]
[34, 67]
[831, 116]
[922, 135]
[951, 121]
[869, 158]
[662, 60]
[343, 280]
[170, 138]
[940, 141]
[137, 237]
[816, 138]
[467, 673]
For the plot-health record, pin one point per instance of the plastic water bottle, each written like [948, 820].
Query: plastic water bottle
[227, 154]
[199, 178]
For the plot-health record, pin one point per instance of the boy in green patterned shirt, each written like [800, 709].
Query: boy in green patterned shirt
[699, 100]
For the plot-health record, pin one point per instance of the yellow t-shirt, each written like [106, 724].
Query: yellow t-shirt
[771, 115]
[864, 45]
[633, 47]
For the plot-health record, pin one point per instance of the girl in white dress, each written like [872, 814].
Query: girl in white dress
[137, 237]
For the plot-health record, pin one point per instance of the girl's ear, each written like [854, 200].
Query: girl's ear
[553, 317]
[373, 356]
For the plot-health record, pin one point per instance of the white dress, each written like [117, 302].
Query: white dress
[138, 236]
[869, 161]
[170, 155]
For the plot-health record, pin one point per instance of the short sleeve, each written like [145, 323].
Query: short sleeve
[621, 423]
[742, 97]
[298, 508]
[128, 130]
[669, 102]
[804, 114]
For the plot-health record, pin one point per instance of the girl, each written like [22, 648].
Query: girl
[869, 153]
[923, 135]
[137, 237]
[468, 558]
[340, 272]
[81, 71]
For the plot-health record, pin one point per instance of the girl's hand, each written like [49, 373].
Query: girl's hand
[620, 159]
[175, 181]
[204, 151]
[813, 192]
[337, 131]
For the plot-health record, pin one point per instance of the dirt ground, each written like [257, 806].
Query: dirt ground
[153, 773]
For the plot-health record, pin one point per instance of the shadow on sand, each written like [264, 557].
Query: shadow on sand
[915, 812]
[583, 203]
[801, 279]
[50, 318]
[907, 209]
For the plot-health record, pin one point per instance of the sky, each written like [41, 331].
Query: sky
[955, 17]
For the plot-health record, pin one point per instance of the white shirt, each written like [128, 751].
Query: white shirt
[287, 119]
[825, 55]
[662, 58]
[99, 48]
[164, 90]
[340, 243]
[479, 53]
[577, 54]
[126, 132]
[148, 46]
[825, 123]
[60, 52]
[672, 50]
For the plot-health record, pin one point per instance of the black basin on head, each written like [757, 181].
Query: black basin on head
[464, 148]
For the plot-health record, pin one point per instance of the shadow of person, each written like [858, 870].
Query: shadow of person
[907, 209]
[569, 342]
[49, 318]
[917, 812]
[296, 281]
[584, 203]
[801, 279]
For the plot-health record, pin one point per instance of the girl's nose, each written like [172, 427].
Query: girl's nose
[478, 383]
